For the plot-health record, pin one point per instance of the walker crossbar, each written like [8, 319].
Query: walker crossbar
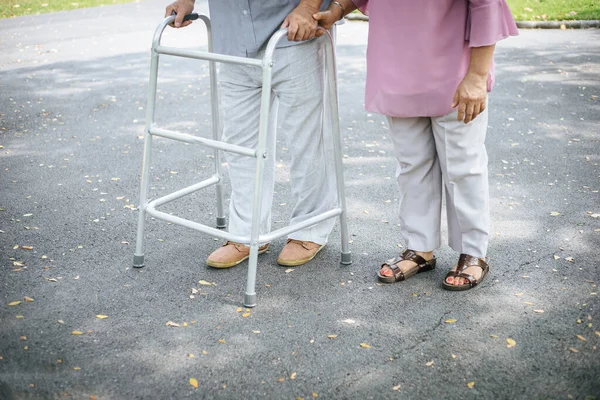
[255, 239]
[202, 55]
[183, 137]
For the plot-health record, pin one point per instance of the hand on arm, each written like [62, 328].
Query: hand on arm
[471, 95]
[181, 8]
[300, 22]
[336, 11]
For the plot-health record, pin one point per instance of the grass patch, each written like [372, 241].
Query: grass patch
[554, 10]
[17, 8]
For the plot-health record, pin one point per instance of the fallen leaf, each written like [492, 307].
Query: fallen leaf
[19, 317]
[23, 338]
[581, 338]
[173, 324]
[194, 383]
[349, 321]
[287, 271]
[554, 214]
[239, 309]
[14, 303]
[293, 376]
[76, 369]
[511, 343]
[52, 279]
[450, 321]
[569, 259]
[538, 311]
[27, 247]
[60, 321]
[430, 363]
[573, 350]
[556, 257]
[453, 356]
[528, 303]
[597, 333]
[365, 346]
[494, 336]
[76, 333]
[470, 385]
[315, 395]
[221, 341]
[246, 314]
[281, 380]
[206, 283]
[256, 332]
[518, 294]
[100, 316]
[332, 336]
[396, 388]
[28, 299]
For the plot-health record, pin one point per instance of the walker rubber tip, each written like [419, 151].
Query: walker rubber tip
[138, 261]
[250, 300]
[347, 258]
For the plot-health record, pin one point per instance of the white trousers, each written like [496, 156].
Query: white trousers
[297, 97]
[437, 151]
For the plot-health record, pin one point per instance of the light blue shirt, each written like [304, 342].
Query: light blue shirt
[243, 27]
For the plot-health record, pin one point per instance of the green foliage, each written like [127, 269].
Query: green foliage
[553, 10]
[17, 8]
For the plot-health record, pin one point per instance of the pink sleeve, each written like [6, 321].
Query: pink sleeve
[488, 22]
[362, 5]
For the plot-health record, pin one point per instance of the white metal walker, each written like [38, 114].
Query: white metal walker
[266, 63]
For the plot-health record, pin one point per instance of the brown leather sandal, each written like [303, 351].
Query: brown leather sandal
[465, 261]
[421, 265]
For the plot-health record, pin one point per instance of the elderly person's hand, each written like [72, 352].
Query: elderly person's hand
[336, 11]
[181, 8]
[300, 22]
[471, 95]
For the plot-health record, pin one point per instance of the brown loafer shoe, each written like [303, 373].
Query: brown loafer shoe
[297, 252]
[231, 254]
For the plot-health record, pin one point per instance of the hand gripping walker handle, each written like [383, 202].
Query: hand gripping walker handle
[189, 17]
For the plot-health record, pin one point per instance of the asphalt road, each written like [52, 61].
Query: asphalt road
[72, 109]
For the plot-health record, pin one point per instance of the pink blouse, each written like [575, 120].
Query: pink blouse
[418, 50]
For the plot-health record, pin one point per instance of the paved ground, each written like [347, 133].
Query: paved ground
[72, 105]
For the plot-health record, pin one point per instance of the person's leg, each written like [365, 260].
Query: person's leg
[240, 96]
[298, 84]
[420, 190]
[463, 158]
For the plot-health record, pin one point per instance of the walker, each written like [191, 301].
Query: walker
[147, 207]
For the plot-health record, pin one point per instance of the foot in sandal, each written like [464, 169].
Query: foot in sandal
[406, 265]
[467, 273]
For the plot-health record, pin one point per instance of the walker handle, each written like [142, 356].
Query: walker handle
[189, 17]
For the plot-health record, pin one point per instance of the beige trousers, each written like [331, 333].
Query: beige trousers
[297, 92]
[436, 152]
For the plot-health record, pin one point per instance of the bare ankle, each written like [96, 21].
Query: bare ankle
[428, 255]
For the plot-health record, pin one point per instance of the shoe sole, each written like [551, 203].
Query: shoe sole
[219, 265]
[295, 263]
